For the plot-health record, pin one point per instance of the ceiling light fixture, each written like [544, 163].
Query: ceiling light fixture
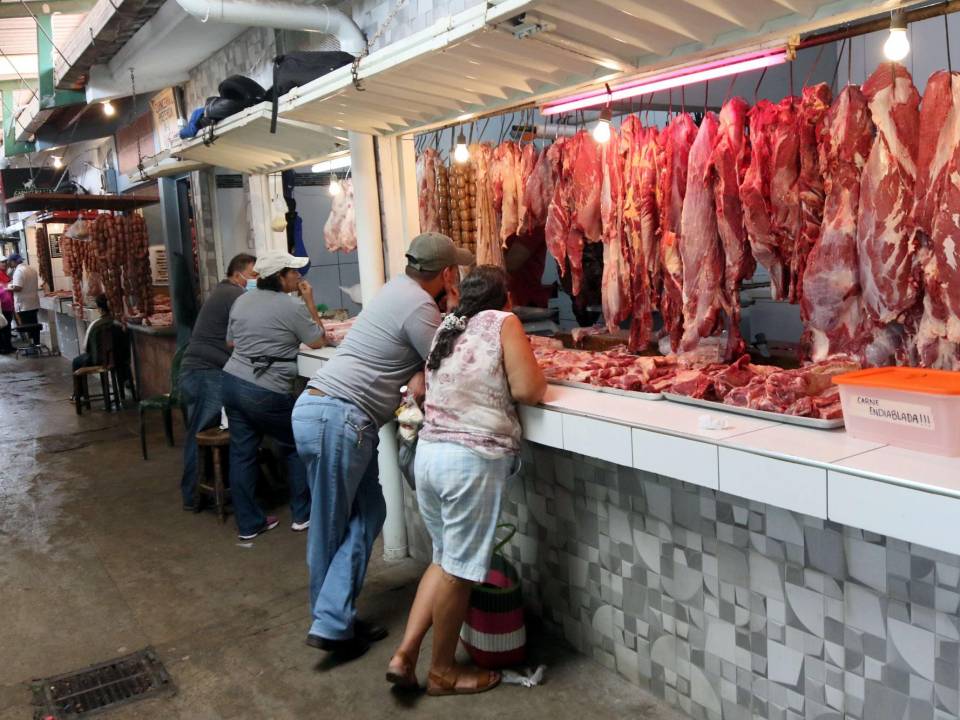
[57, 161]
[334, 188]
[461, 153]
[601, 131]
[897, 46]
[686, 76]
[108, 109]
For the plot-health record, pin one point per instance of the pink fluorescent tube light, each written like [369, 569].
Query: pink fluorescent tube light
[687, 76]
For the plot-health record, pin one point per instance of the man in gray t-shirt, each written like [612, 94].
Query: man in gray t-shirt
[335, 423]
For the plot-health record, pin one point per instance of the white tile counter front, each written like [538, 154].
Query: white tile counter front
[827, 474]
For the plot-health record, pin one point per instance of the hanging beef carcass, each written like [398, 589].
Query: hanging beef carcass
[427, 189]
[489, 245]
[814, 105]
[785, 189]
[526, 165]
[676, 140]
[755, 196]
[340, 230]
[616, 290]
[503, 172]
[558, 220]
[937, 202]
[729, 165]
[831, 303]
[700, 249]
[886, 235]
[641, 224]
[538, 189]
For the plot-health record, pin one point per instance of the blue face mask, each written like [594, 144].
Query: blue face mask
[251, 284]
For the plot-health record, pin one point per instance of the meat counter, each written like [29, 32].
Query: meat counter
[826, 474]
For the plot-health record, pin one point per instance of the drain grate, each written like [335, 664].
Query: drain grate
[106, 685]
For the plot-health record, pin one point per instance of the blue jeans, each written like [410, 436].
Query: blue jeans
[253, 413]
[201, 392]
[338, 442]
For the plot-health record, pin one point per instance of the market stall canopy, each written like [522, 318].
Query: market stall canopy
[244, 143]
[502, 55]
[42, 201]
[163, 165]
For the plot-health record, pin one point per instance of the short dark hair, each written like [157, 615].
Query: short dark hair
[272, 282]
[239, 263]
[102, 304]
[422, 275]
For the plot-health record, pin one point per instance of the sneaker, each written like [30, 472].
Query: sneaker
[270, 524]
[300, 526]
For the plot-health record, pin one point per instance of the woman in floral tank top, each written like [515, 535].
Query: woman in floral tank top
[480, 366]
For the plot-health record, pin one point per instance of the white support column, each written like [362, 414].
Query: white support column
[260, 214]
[367, 207]
[401, 213]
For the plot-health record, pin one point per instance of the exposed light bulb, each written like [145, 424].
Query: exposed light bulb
[57, 161]
[601, 131]
[334, 188]
[897, 46]
[108, 109]
[461, 153]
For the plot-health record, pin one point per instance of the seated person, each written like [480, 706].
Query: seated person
[89, 356]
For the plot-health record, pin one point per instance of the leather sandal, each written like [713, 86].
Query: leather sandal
[462, 682]
[401, 672]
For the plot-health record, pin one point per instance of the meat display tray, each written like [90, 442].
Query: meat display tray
[608, 390]
[807, 422]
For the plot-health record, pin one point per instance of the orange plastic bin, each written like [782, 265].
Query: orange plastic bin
[913, 408]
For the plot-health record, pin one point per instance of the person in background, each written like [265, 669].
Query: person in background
[6, 307]
[266, 328]
[25, 285]
[201, 371]
[480, 366]
[89, 357]
[336, 423]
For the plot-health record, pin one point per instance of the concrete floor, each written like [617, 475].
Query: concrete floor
[97, 560]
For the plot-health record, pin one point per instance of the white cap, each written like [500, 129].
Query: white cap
[273, 261]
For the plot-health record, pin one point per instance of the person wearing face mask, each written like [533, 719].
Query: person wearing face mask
[267, 327]
[202, 367]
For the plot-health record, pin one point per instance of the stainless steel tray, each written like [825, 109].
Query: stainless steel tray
[608, 390]
[816, 423]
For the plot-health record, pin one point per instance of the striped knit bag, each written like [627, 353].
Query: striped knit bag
[494, 633]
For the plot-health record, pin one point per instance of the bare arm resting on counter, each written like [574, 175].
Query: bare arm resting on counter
[527, 382]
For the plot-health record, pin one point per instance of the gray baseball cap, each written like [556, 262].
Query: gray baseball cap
[433, 252]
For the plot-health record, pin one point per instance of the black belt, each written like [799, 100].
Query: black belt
[262, 363]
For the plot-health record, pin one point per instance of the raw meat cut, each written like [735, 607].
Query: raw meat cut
[577, 201]
[538, 190]
[558, 223]
[586, 181]
[526, 164]
[340, 230]
[642, 225]
[830, 299]
[505, 191]
[785, 192]
[616, 289]
[886, 242]
[755, 196]
[700, 250]
[814, 106]
[937, 338]
[676, 140]
[489, 246]
[729, 165]
[427, 195]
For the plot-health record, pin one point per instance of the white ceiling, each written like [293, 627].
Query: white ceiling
[473, 63]
[18, 36]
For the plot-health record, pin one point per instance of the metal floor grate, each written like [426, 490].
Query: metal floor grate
[100, 687]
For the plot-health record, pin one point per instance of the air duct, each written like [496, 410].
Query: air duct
[282, 15]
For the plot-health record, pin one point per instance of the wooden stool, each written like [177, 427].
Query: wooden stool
[81, 388]
[213, 453]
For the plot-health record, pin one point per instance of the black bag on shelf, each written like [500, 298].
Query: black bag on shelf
[243, 90]
[298, 68]
[220, 108]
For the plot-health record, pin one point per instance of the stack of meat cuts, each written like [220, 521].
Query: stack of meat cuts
[340, 230]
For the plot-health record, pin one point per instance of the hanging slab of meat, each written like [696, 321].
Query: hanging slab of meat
[586, 179]
[785, 189]
[814, 106]
[558, 222]
[729, 166]
[885, 231]
[427, 190]
[937, 338]
[700, 249]
[538, 190]
[504, 173]
[340, 230]
[489, 246]
[830, 300]
[526, 165]
[755, 196]
[616, 289]
[676, 140]
[641, 224]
